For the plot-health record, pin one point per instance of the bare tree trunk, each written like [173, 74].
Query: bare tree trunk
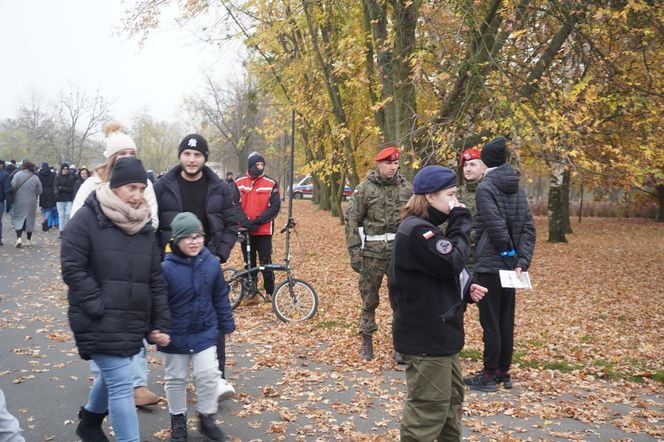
[564, 202]
[556, 216]
[660, 202]
[581, 204]
[333, 91]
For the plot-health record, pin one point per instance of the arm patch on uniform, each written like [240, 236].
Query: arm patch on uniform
[428, 235]
[444, 247]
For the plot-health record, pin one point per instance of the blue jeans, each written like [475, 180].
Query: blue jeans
[2, 212]
[9, 428]
[139, 363]
[64, 209]
[51, 215]
[114, 391]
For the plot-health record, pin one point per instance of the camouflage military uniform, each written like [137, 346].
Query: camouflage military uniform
[466, 195]
[374, 206]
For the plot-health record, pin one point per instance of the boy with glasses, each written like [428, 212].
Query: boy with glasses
[200, 312]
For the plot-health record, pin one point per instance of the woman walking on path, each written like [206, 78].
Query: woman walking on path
[112, 265]
[120, 145]
[64, 194]
[27, 188]
[428, 286]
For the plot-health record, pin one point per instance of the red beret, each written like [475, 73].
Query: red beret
[470, 154]
[388, 154]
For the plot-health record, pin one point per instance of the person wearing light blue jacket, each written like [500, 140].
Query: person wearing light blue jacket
[201, 310]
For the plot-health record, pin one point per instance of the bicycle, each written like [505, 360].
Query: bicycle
[293, 300]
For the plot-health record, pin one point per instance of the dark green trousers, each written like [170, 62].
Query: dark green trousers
[435, 397]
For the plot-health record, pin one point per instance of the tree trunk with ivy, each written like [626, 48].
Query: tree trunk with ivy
[555, 212]
[564, 202]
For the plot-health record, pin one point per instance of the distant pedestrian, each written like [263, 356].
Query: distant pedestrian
[10, 431]
[64, 194]
[234, 190]
[120, 145]
[112, 266]
[47, 201]
[374, 207]
[83, 174]
[26, 187]
[5, 192]
[505, 241]
[200, 312]
[428, 287]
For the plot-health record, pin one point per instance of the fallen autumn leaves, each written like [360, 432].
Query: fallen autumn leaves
[589, 344]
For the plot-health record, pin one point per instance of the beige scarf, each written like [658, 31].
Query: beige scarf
[128, 219]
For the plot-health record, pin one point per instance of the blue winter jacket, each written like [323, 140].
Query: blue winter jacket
[198, 298]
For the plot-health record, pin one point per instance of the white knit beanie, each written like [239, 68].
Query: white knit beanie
[116, 139]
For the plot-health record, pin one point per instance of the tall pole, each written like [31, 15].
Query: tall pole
[290, 186]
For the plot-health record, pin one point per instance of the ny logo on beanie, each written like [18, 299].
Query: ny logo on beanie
[192, 142]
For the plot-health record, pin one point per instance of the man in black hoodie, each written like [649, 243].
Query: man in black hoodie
[505, 241]
[47, 197]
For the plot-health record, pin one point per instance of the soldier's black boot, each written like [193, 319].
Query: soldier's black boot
[178, 427]
[367, 347]
[89, 426]
[210, 429]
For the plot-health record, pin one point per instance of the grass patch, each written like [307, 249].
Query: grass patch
[659, 376]
[331, 323]
[563, 366]
[473, 355]
[519, 358]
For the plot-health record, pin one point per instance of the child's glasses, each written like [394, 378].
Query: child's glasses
[194, 239]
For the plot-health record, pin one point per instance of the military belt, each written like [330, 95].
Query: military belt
[383, 237]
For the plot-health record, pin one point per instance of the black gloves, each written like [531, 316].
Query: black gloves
[251, 224]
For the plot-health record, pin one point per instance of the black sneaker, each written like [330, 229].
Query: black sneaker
[178, 427]
[481, 383]
[506, 380]
[210, 429]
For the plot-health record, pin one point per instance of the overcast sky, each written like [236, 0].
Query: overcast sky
[49, 45]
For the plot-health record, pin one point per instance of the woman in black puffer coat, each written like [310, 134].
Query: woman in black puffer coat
[112, 265]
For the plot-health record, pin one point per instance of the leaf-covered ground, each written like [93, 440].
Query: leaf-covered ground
[589, 362]
[589, 335]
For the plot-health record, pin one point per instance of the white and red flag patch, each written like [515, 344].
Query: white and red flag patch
[428, 235]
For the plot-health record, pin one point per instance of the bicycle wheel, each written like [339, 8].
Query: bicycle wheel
[235, 287]
[294, 302]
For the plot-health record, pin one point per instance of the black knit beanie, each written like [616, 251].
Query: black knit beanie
[128, 170]
[254, 158]
[494, 153]
[194, 142]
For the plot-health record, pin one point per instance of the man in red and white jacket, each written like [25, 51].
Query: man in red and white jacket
[260, 201]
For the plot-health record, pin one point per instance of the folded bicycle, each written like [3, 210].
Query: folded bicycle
[293, 300]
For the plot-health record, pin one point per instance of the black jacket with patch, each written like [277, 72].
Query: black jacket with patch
[424, 285]
[503, 223]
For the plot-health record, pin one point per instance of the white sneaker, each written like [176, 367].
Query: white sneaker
[224, 390]
[18, 243]
[28, 243]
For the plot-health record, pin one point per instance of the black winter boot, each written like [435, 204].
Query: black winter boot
[89, 427]
[178, 427]
[367, 347]
[209, 428]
